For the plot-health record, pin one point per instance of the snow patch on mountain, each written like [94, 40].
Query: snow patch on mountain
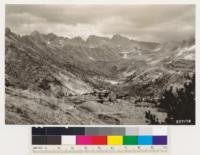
[91, 58]
[190, 56]
[129, 73]
[185, 49]
[113, 82]
[157, 49]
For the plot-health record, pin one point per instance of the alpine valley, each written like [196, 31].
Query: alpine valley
[51, 79]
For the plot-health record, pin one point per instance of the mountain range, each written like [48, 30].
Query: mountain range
[59, 67]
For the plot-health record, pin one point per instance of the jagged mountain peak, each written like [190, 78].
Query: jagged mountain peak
[7, 30]
[78, 38]
[96, 37]
[118, 37]
[189, 41]
[52, 37]
[35, 33]
[95, 41]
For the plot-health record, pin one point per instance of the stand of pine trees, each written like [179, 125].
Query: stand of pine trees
[180, 105]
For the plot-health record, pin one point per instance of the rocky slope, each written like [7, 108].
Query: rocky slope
[57, 80]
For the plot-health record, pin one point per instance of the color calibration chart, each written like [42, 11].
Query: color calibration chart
[94, 140]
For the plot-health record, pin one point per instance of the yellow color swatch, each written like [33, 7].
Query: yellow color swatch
[114, 140]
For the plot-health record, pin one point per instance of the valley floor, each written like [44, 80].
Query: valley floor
[25, 107]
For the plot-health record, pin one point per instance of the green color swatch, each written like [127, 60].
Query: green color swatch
[130, 140]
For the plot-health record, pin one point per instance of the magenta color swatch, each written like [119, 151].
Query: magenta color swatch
[83, 140]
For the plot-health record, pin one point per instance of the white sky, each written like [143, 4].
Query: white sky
[142, 22]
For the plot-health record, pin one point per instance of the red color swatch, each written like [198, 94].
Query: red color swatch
[99, 140]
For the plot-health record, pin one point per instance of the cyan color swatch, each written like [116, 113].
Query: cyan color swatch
[145, 140]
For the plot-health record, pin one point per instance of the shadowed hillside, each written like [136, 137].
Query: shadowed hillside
[57, 80]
